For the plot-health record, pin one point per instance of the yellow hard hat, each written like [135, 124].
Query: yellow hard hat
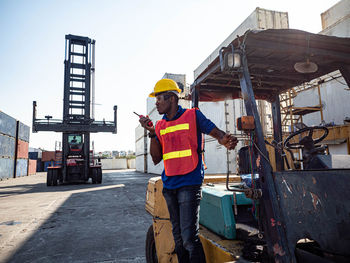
[164, 85]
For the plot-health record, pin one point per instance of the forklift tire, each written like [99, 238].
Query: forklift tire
[94, 176]
[49, 177]
[99, 176]
[151, 252]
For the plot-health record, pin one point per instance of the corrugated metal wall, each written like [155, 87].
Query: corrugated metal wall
[14, 142]
[141, 149]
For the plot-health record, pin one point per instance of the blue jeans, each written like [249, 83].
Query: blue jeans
[183, 206]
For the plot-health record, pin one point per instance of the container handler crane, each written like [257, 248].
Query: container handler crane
[77, 124]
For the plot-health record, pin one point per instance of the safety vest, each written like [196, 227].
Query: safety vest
[179, 143]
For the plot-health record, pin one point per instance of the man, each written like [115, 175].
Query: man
[176, 139]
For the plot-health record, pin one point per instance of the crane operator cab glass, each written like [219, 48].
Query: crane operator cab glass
[75, 142]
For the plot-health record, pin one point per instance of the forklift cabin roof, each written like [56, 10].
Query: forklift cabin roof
[271, 55]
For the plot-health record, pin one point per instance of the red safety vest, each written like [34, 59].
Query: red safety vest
[179, 143]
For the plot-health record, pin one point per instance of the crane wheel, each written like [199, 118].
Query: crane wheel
[94, 176]
[99, 176]
[49, 177]
[54, 177]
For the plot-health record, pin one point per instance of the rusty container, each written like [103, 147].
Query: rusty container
[48, 156]
[32, 167]
[22, 149]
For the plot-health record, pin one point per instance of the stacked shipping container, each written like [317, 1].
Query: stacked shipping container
[7, 145]
[14, 142]
[22, 149]
[36, 154]
[51, 158]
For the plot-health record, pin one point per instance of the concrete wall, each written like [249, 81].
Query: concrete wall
[115, 164]
[131, 163]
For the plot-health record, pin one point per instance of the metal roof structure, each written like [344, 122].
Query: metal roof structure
[271, 55]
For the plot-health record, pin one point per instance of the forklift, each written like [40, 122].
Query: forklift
[302, 207]
[78, 164]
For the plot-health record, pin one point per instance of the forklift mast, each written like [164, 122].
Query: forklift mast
[77, 121]
[76, 97]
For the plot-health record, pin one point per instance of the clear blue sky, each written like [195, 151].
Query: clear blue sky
[136, 43]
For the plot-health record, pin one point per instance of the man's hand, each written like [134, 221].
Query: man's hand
[229, 141]
[225, 139]
[144, 121]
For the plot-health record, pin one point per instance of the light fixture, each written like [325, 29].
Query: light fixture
[230, 60]
[233, 60]
[307, 66]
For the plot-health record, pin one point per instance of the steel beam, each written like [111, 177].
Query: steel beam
[271, 218]
[277, 131]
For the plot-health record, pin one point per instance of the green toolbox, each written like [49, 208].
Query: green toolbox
[216, 210]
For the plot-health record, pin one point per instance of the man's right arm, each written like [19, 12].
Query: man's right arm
[155, 149]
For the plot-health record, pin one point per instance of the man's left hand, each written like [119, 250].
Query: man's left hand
[229, 141]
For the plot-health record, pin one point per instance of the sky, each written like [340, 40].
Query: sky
[136, 43]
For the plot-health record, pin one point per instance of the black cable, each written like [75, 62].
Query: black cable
[336, 79]
[263, 155]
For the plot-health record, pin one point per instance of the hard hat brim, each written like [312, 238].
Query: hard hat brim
[176, 92]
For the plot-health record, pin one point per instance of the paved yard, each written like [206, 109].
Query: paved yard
[74, 223]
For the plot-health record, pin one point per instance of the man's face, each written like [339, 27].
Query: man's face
[163, 103]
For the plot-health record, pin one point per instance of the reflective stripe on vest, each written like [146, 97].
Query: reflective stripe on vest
[179, 127]
[177, 154]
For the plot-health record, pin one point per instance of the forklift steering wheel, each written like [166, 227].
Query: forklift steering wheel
[298, 145]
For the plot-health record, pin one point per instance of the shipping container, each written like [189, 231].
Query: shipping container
[7, 146]
[35, 150]
[33, 155]
[21, 167]
[6, 168]
[23, 131]
[22, 149]
[7, 124]
[48, 156]
[336, 14]
[141, 163]
[39, 165]
[141, 149]
[334, 98]
[223, 114]
[32, 167]
[259, 19]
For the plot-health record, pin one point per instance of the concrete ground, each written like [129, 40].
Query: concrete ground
[74, 223]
